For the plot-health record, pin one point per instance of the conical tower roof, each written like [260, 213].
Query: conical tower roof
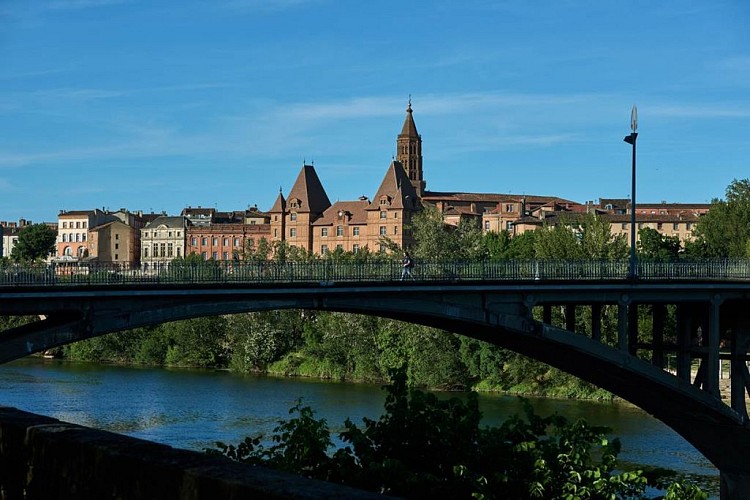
[279, 205]
[410, 128]
[309, 191]
[397, 187]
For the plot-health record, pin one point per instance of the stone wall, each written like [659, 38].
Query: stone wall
[43, 458]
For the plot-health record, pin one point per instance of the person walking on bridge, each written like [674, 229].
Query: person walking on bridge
[406, 266]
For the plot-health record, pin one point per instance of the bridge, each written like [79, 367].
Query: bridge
[673, 373]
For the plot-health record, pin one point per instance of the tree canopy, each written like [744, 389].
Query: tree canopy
[35, 242]
[725, 230]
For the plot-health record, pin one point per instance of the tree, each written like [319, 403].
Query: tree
[35, 243]
[725, 230]
[654, 246]
[436, 240]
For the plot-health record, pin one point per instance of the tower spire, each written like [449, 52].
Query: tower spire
[409, 151]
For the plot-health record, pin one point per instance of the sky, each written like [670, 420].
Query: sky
[157, 105]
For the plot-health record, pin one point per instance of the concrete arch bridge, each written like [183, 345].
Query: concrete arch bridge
[508, 304]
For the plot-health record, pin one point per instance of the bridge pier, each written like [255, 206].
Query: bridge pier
[735, 485]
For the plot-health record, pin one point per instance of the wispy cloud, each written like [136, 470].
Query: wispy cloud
[82, 4]
[700, 111]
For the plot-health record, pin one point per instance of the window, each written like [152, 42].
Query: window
[383, 214]
[324, 231]
[355, 231]
[193, 241]
[225, 256]
[163, 249]
[170, 249]
[68, 251]
[117, 236]
[293, 232]
[293, 216]
[508, 207]
[204, 255]
[65, 237]
[382, 248]
[323, 249]
[179, 251]
[178, 234]
[486, 225]
[83, 237]
[355, 248]
[169, 234]
[84, 225]
[226, 242]
[155, 249]
[117, 246]
[395, 215]
[145, 235]
[383, 231]
[509, 226]
[78, 236]
[215, 255]
[236, 242]
[395, 230]
[640, 225]
[204, 241]
[659, 226]
[675, 226]
[624, 226]
[688, 226]
[65, 225]
[145, 251]
[339, 230]
[214, 241]
[78, 225]
[117, 257]
[275, 233]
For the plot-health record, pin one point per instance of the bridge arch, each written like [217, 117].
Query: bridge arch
[500, 315]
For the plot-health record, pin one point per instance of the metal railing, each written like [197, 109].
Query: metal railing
[328, 271]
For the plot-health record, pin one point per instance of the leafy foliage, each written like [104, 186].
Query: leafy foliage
[425, 447]
[35, 242]
[725, 230]
[654, 246]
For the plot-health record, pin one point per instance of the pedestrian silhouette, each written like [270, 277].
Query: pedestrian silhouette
[406, 266]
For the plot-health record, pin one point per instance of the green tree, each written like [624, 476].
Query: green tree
[654, 246]
[436, 240]
[725, 230]
[35, 242]
[198, 342]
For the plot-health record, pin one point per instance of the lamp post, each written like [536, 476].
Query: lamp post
[630, 139]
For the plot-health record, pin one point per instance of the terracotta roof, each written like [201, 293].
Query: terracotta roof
[410, 128]
[434, 196]
[397, 187]
[354, 210]
[451, 210]
[279, 205]
[308, 189]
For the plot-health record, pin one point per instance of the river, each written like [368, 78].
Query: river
[192, 409]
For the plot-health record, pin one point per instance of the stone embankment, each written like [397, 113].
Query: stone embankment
[43, 458]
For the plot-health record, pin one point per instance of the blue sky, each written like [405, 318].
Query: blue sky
[160, 104]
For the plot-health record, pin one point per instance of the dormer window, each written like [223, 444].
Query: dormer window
[384, 201]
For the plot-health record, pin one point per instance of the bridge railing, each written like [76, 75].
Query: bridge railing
[328, 270]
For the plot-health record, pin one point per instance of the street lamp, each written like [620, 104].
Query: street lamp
[630, 139]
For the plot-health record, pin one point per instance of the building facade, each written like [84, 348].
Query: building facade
[162, 241]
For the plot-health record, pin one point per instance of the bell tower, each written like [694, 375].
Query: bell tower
[409, 152]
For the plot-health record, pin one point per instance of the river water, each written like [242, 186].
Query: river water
[193, 409]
